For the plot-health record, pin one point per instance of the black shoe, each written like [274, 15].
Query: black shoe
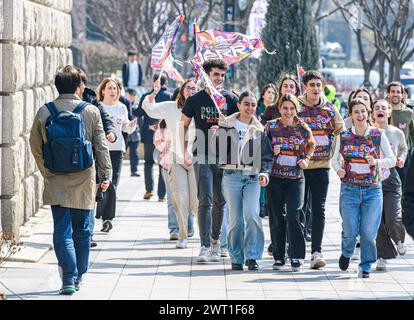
[93, 244]
[135, 174]
[270, 250]
[262, 212]
[107, 226]
[343, 262]
[363, 274]
[252, 265]
[78, 283]
[236, 266]
[68, 288]
[279, 265]
[295, 264]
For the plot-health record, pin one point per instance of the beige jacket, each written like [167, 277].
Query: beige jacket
[74, 190]
[339, 127]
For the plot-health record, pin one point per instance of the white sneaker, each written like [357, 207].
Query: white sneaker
[381, 265]
[181, 244]
[204, 253]
[357, 254]
[401, 248]
[215, 252]
[317, 261]
[173, 236]
[224, 252]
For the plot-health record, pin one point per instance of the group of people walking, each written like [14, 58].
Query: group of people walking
[253, 157]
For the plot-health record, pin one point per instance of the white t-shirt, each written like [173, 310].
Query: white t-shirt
[242, 129]
[119, 115]
[133, 74]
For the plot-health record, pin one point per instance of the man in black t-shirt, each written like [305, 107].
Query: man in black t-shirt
[202, 108]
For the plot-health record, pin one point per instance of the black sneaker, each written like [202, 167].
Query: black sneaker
[252, 265]
[107, 226]
[93, 243]
[270, 250]
[236, 266]
[78, 283]
[68, 288]
[135, 174]
[295, 264]
[343, 262]
[279, 265]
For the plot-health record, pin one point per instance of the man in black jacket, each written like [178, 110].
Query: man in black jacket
[132, 71]
[408, 199]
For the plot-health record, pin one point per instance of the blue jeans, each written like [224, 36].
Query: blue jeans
[92, 221]
[71, 241]
[245, 234]
[224, 228]
[172, 217]
[210, 202]
[361, 211]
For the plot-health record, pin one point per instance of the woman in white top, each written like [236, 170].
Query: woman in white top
[108, 94]
[181, 176]
[357, 160]
[391, 228]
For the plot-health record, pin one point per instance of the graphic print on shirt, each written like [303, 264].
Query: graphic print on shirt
[355, 150]
[322, 123]
[292, 142]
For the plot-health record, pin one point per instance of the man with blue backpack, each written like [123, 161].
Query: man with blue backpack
[62, 137]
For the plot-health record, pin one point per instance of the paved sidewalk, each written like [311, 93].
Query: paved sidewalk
[137, 261]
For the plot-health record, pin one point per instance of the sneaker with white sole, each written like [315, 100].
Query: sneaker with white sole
[181, 244]
[173, 236]
[381, 265]
[215, 252]
[295, 265]
[224, 253]
[278, 265]
[317, 261]
[204, 254]
[401, 248]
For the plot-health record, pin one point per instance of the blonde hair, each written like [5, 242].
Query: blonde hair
[102, 87]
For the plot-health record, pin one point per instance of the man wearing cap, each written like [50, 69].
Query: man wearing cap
[132, 72]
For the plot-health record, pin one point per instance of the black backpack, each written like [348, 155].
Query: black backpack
[67, 148]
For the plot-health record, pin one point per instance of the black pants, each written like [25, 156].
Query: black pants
[116, 161]
[133, 155]
[391, 227]
[148, 174]
[289, 193]
[316, 187]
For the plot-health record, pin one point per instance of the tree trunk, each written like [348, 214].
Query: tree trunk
[381, 65]
[367, 72]
[397, 70]
[390, 71]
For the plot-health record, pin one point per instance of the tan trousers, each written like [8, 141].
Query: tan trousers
[184, 195]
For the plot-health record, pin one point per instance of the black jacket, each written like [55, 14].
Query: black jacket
[108, 125]
[226, 146]
[408, 199]
[125, 74]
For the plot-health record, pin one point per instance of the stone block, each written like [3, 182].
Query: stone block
[62, 57]
[12, 117]
[39, 66]
[39, 99]
[13, 70]
[38, 191]
[29, 23]
[69, 57]
[49, 94]
[49, 65]
[28, 110]
[11, 170]
[12, 14]
[30, 59]
[29, 199]
[12, 213]
[30, 164]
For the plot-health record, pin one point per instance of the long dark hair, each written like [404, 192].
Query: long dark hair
[262, 93]
[287, 76]
[180, 97]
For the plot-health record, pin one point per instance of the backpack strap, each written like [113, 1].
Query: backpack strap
[80, 107]
[52, 109]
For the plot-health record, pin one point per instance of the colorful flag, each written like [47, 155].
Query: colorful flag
[162, 49]
[228, 46]
[171, 70]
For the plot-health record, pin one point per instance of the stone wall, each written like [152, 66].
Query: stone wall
[34, 40]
